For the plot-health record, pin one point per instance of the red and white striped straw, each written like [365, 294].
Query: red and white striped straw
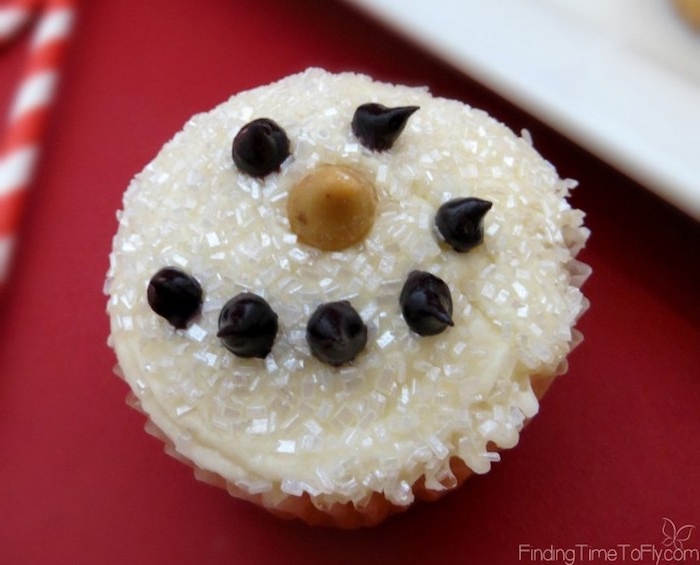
[30, 108]
[13, 17]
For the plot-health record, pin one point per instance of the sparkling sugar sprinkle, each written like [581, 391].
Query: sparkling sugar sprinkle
[407, 404]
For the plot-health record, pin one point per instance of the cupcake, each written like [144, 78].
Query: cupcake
[689, 11]
[334, 296]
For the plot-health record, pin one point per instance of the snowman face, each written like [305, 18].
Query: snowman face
[331, 208]
[339, 298]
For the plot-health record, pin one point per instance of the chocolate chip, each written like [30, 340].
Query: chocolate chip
[460, 222]
[260, 147]
[426, 303]
[336, 333]
[247, 325]
[378, 127]
[175, 295]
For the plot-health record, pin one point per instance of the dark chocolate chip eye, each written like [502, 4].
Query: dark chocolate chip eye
[378, 127]
[460, 221]
[247, 325]
[260, 147]
[336, 333]
[174, 295]
[426, 303]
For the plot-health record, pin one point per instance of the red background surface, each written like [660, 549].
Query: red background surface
[614, 450]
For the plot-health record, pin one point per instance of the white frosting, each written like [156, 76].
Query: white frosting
[289, 424]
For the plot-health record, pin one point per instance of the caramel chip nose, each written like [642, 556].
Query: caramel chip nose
[333, 207]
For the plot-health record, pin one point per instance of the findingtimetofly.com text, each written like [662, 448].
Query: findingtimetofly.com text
[672, 549]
